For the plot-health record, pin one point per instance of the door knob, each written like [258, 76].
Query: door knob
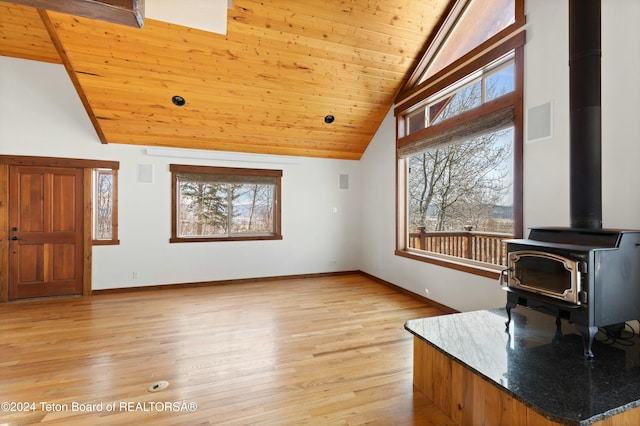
[15, 228]
[14, 238]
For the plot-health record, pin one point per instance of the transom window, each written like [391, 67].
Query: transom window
[222, 204]
[487, 84]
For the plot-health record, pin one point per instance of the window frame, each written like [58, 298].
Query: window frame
[213, 170]
[409, 101]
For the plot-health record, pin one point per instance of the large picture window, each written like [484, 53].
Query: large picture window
[468, 185]
[459, 149]
[460, 198]
[222, 204]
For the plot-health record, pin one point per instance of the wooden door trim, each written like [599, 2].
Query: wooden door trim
[78, 163]
[87, 166]
[87, 255]
[4, 232]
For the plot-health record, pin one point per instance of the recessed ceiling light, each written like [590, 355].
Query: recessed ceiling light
[178, 100]
[329, 119]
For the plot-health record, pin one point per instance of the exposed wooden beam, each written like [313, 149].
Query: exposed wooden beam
[46, 20]
[124, 12]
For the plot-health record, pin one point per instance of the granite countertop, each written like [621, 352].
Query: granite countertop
[538, 366]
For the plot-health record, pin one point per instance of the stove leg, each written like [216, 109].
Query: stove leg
[558, 337]
[588, 333]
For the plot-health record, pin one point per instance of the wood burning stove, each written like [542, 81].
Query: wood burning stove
[586, 274]
[590, 277]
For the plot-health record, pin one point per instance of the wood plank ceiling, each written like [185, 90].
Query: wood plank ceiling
[265, 87]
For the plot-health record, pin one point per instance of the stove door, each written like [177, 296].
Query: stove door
[545, 273]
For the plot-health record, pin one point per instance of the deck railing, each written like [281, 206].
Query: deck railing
[481, 246]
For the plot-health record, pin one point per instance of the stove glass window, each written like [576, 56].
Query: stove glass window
[542, 273]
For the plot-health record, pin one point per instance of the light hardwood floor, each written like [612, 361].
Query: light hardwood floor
[318, 351]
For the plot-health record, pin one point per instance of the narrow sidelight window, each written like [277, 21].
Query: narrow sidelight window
[105, 206]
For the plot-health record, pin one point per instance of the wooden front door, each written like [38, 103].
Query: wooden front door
[45, 231]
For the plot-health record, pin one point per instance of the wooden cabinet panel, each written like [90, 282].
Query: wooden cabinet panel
[468, 399]
[464, 396]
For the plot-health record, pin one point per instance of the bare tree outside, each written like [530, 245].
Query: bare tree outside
[461, 185]
[253, 208]
[464, 184]
[260, 215]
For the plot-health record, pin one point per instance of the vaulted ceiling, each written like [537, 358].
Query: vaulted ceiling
[264, 87]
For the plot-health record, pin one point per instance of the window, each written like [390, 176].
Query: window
[459, 145]
[224, 204]
[105, 206]
[491, 82]
[466, 28]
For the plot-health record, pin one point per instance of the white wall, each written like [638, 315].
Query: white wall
[620, 114]
[546, 161]
[546, 189]
[41, 115]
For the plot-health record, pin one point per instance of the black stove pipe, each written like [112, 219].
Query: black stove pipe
[585, 114]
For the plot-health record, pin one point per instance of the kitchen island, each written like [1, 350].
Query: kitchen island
[533, 373]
